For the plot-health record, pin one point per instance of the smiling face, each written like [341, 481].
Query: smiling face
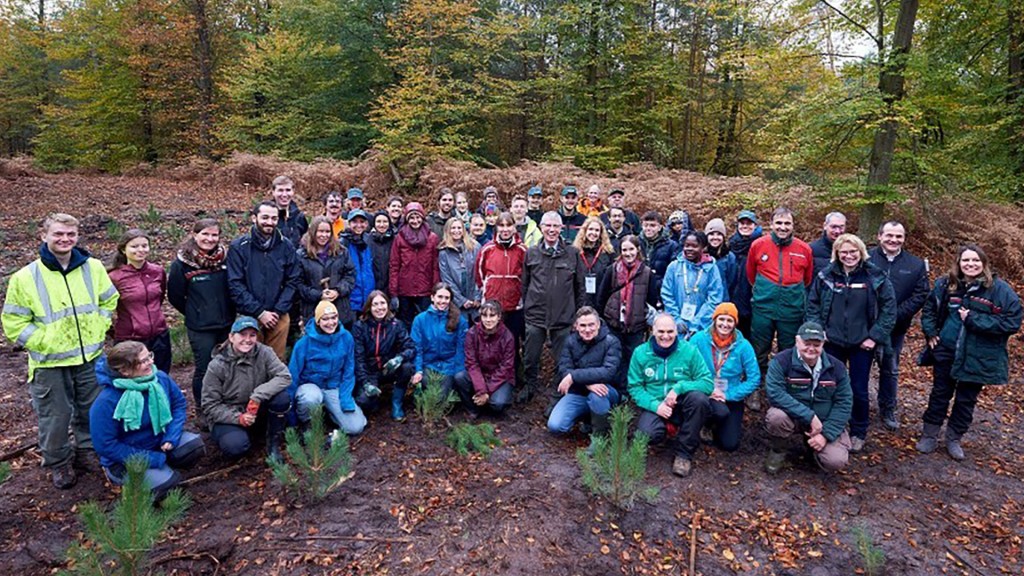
[715, 239]
[208, 238]
[142, 366]
[505, 231]
[414, 220]
[441, 299]
[782, 226]
[629, 252]
[333, 205]
[328, 323]
[381, 223]
[971, 264]
[835, 227]
[745, 227]
[265, 220]
[518, 209]
[569, 202]
[379, 307]
[616, 200]
[395, 210]
[446, 202]
[892, 238]
[551, 230]
[652, 229]
[592, 234]
[136, 251]
[725, 325]
[616, 218]
[323, 234]
[60, 238]
[594, 193]
[809, 350]
[535, 202]
[849, 255]
[665, 332]
[358, 225]
[587, 327]
[692, 249]
[477, 225]
[283, 194]
[243, 342]
[456, 229]
[462, 203]
[489, 319]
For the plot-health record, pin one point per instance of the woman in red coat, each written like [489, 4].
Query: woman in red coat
[490, 363]
[142, 286]
[499, 274]
[414, 270]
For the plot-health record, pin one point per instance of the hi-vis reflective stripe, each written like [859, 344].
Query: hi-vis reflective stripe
[26, 334]
[44, 294]
[58, 356]
[17, 310]
[109, 293]
[49, 316]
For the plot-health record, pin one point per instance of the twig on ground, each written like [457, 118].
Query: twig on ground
[202, 477]
[186, 556]
[965, 561]
[18, 451]
[693, 544]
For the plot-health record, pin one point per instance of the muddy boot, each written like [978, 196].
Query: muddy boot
[776, 461]
[599, 428]
[929, 438]
[682, 466]
[753, 401]
[953, 447]
[397, 414]
[276, 424]
[63, 476]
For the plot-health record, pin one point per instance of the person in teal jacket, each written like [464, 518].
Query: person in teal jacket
[692, 286]
[670, 383]
[439, 333]
[733, 364]
[323, 371]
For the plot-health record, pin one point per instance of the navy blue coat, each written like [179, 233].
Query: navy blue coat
[376, 343]
[909, 278]
[292, 223]
[594, 362]
[262, 279]
[658, 255]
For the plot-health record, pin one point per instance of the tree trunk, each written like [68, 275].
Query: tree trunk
[204, 81]
[1015, 92]
[891, 85]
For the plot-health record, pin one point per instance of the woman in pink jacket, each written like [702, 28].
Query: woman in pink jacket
[142, 286]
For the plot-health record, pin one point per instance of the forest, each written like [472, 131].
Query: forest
[859, 97]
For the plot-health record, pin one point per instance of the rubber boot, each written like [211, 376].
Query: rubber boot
[929, 438]
[953, 447]
[276, 424]
[397, 414]
[599, 427]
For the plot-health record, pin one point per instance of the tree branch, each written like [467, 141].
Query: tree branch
[851, 20]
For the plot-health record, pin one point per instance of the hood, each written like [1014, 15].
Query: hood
[79, 256]
[705, 261]
[104, 377]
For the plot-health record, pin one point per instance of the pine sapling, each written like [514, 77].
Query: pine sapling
[431, 402]
[313, 468]
[119, 542]
[480, 438]
[615, 466]
[5, 472]
[871, 555]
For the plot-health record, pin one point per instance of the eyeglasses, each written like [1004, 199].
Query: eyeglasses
[147, 358]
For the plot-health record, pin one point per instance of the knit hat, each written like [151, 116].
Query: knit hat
[677, 217]
[414, 207]
[727, 308]
[324, 307]
[715, 225]
[490, 209]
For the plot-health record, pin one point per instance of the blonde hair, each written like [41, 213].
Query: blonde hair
[467, 239]
[849, 239]
[58, 218]
[603, 242]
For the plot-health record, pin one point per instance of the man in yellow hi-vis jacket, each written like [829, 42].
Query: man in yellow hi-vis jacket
[59, 308]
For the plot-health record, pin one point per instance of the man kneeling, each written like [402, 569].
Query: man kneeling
[811, 397]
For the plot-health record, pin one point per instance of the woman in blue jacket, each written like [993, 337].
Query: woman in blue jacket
[140, 411]
[692, 286]
[385, 355]
[440, 335]
[323, 371]
[733, 364]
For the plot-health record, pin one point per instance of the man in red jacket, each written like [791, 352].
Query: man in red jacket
[780, 268]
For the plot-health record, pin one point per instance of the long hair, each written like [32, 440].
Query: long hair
[366, 313]
[333, 248]
[189, 247]
[632, 239]
[453, 311]
[603, 243]
[447, 241]
[120, 259]
[956, 276]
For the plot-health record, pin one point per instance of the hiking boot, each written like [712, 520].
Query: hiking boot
[929, 439]
[525, 395]
[397, 413]
[953, 447]
[63, 476]
[776, 462]
[753, 402]
[707, 436]
[682, 466]
[889, 420]
[856, 444]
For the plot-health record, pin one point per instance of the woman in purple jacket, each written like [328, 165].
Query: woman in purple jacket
[490, 363]
[142, 286]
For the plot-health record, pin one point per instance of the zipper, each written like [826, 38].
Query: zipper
[74, 312]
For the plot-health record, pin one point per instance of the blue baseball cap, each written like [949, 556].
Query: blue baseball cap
[355, 193]
[535, 191]
[243, 322]
[747, 215]
[357, 213]
[570, 190]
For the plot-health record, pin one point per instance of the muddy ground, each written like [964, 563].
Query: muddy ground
[415, 507]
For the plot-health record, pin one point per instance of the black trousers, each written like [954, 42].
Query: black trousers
[945, 388]
[689, 414]
[726, 421]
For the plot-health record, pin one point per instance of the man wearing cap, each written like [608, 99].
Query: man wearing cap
[617, 199]
[354, 200]
[245, 391]
[58, 308]
[571, 218]
[361, 256]
[334, 207]
[747, 230]
[670, 383]
[780, 267]
[592, 204]
[553, 288]
[290, 220]
[263, 275]
[909, 277]
[322, 371]
[811, 401]
[535, 204]
[445, 210]
[835, 226]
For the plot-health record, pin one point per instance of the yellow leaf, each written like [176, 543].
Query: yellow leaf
[605, 549]
[727, 553]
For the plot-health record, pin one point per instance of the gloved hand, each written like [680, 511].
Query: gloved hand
[371, 390]
[394, 304]
[252, 407]
[393, 364]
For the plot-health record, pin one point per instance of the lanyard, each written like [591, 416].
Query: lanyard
[376, 350]
[590, 265]
[720, 357]
[686, 279]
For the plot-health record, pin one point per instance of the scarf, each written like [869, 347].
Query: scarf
[624, 275]
[129, 407]
[722, 342]
[718, 253]
[506, 243]
[261, 241]
[323, 254]
[203, 262]
[740, 245]
[782, 243]
[417, 238]
[661, 351]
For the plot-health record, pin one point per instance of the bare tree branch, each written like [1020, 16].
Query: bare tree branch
[851, 20]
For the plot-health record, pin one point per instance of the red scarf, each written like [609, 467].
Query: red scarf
[624, 275]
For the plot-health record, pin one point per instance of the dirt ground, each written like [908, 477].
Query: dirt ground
[415, 507]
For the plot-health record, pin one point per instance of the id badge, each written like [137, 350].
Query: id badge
[721, 385]
[591, 284]
[689, 311]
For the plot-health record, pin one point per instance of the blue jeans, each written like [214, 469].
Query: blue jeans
[572, 407]
[858, 362]
[310, 395]
[889, 374]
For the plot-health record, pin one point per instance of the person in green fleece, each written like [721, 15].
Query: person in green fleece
[671, 384]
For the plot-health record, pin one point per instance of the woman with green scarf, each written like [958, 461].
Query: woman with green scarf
[140, 411]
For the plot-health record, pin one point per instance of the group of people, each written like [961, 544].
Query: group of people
[681, 322]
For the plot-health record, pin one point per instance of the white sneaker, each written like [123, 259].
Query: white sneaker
[856, 444]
